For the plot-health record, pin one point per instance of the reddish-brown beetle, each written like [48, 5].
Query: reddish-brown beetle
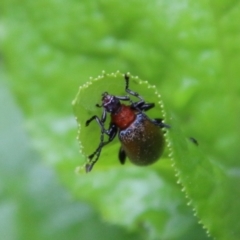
[141, 138]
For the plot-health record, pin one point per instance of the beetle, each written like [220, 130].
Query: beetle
[141, 138]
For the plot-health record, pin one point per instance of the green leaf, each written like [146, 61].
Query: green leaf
[206, 185]
[33, 204]
[188, 49]
[88, 96]
[141, 199]
[134, 182]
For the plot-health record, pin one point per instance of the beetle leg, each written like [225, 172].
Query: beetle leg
[135, 94]
[111, 132]
[159, 122]
[123, 98]
[122, 156]
[142, 106]
[99, 121]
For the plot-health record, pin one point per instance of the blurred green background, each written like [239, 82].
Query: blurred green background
[189, 49]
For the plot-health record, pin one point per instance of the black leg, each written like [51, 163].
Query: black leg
[135, 94]
[158, 122]
[122, 156]
[111, 132]
[143, 106]
[123, 98]
[140, 105]
[97, 153]
[98, 120]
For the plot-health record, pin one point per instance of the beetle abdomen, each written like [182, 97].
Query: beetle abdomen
[142, 141]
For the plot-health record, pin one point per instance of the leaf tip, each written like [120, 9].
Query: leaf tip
[80, 169]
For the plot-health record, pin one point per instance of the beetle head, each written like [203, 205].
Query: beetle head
[110, 103]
